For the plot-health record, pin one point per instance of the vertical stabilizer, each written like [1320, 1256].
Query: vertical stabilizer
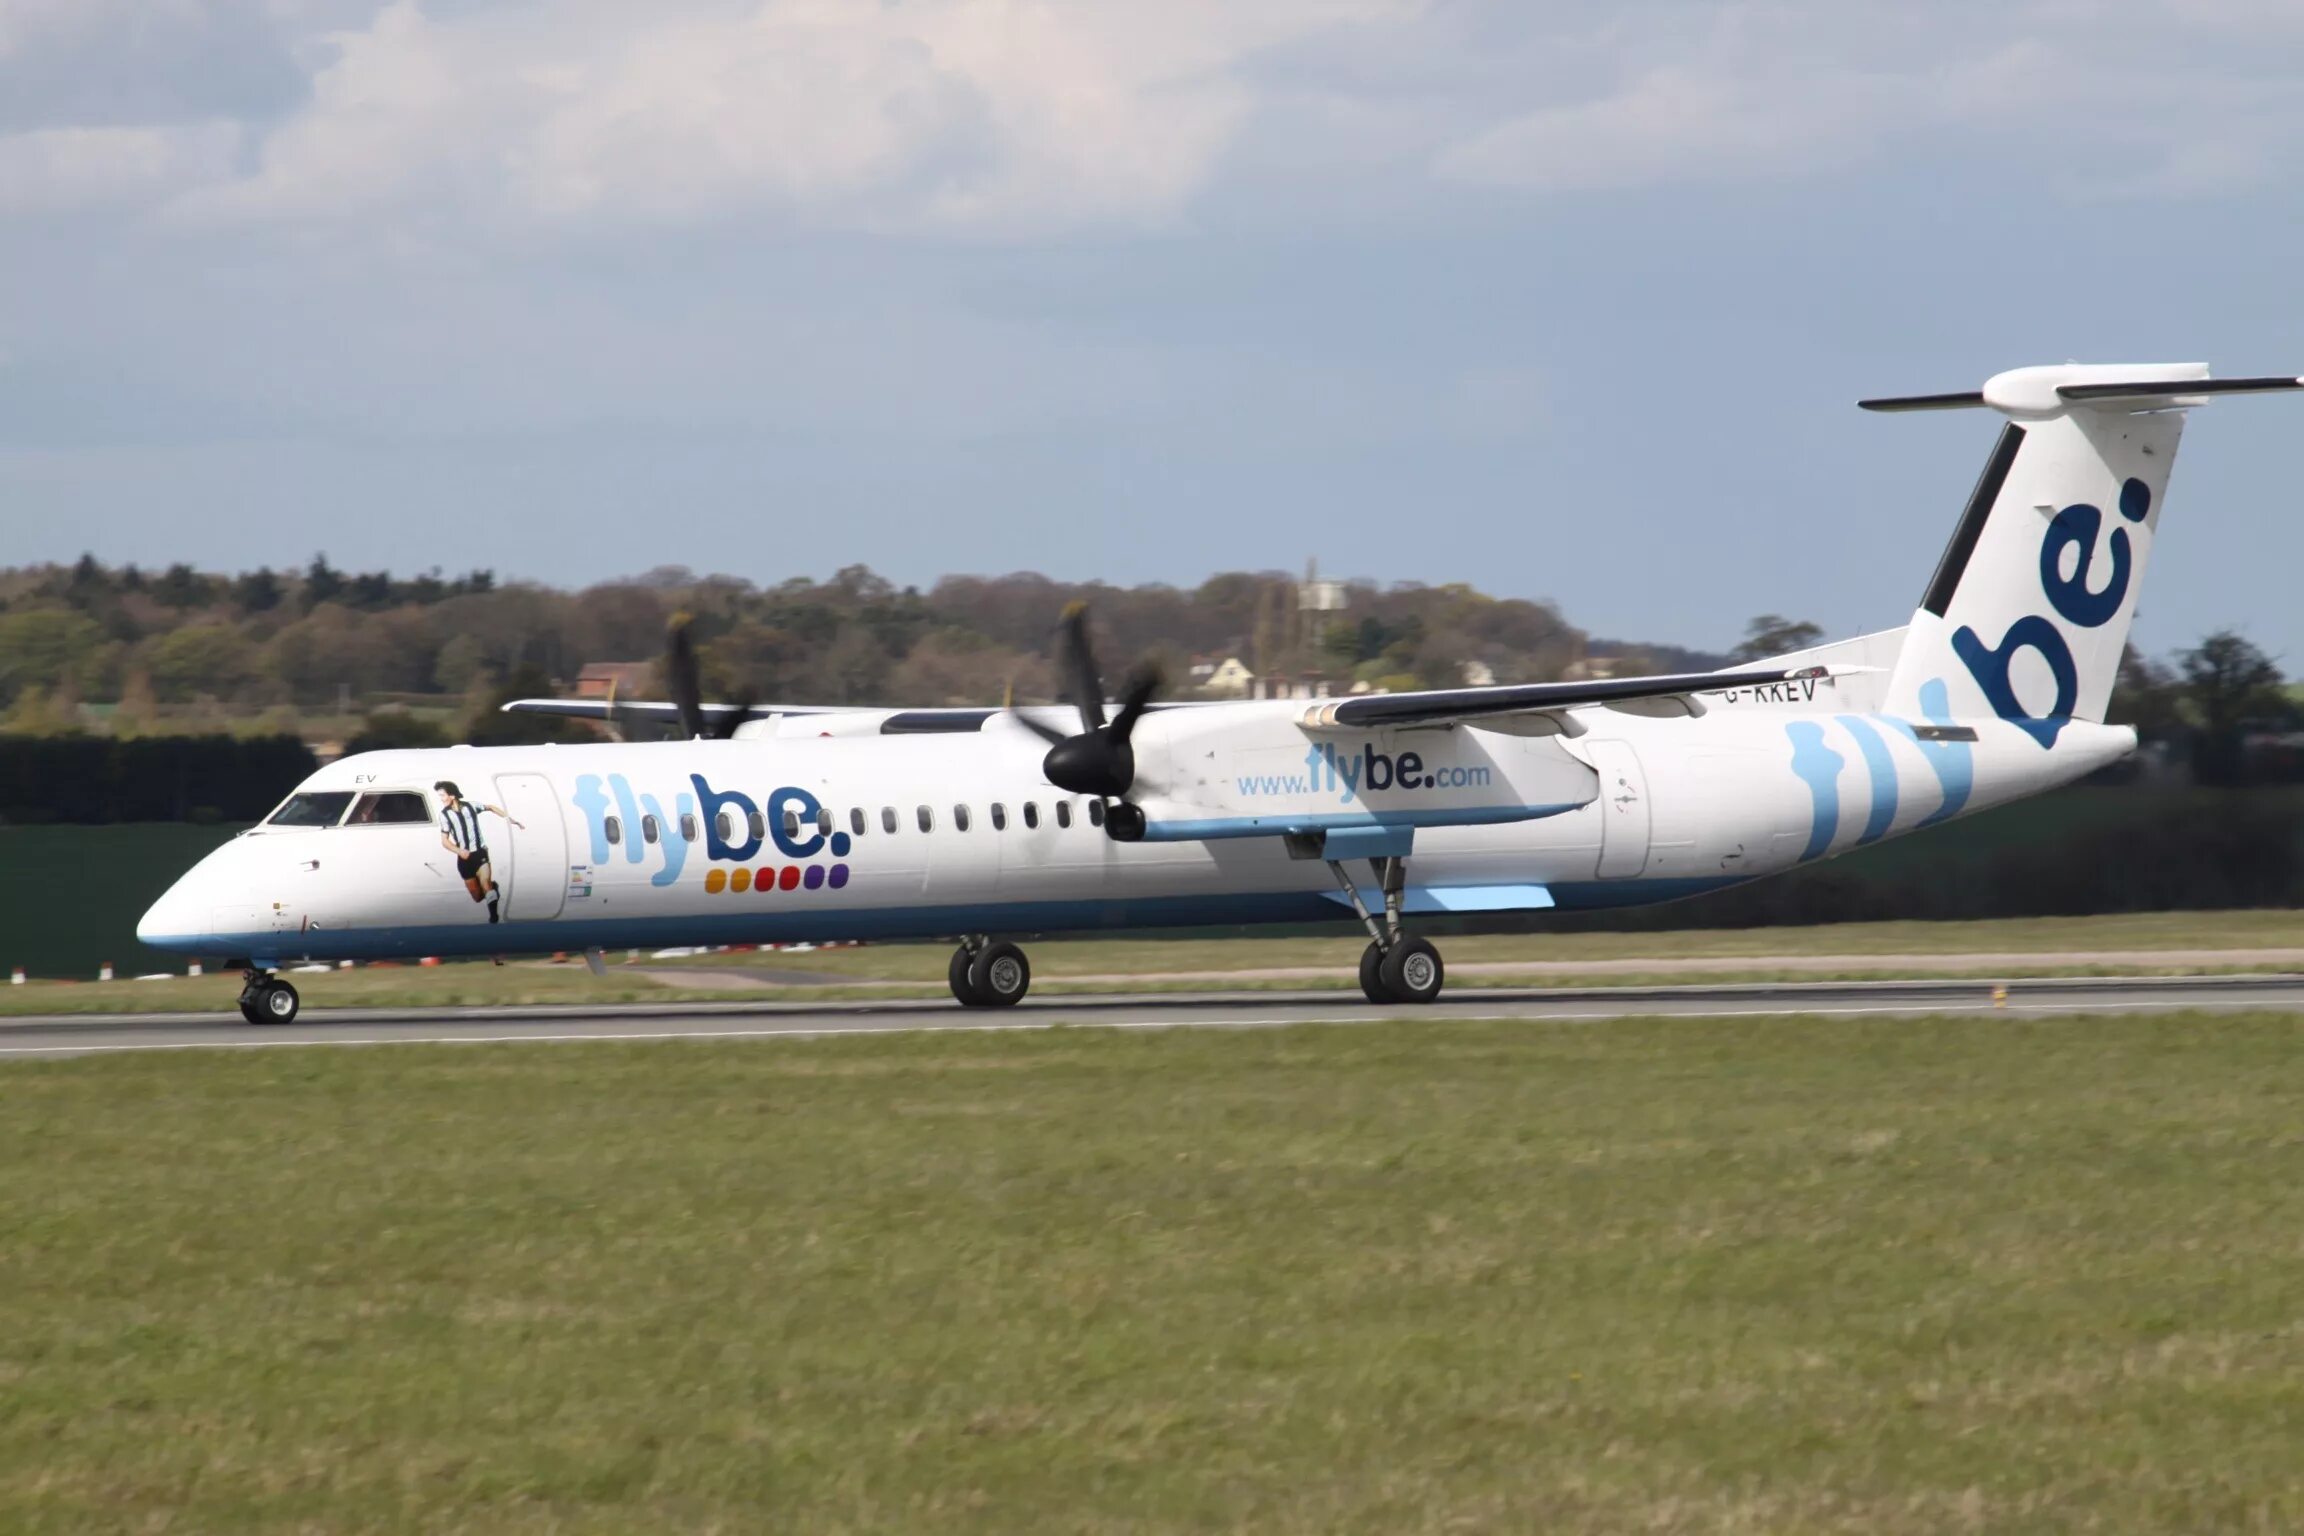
[2030, 606]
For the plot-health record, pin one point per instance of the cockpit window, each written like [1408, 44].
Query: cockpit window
[323, 808]
[383, 808]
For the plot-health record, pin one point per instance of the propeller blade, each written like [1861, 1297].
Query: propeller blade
[1041, 729]
[681, 678]
[1078, 666]
[724, 728]
[1143, 682]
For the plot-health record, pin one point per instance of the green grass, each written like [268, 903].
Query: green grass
[1663, 1276]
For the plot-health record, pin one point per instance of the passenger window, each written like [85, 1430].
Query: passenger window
[856, 821]
[323, 809]
[398, 808]
[999, 817]
[791, 820]
[824, 820]
[614, 829]
[758, 824]
[927, 819]
[1031, 814]
[887, 818]
[687, 829]
[647, 829]
[959, 818]
[1063, 813]
[722, 826]
[1095, 813]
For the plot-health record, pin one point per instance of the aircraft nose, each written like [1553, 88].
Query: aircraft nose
[174, 921]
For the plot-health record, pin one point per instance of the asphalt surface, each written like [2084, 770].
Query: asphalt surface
[78, 1035]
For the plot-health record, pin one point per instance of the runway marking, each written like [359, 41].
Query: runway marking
[1262, 1021]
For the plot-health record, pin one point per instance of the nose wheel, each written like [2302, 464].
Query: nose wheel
[266, 999]
[984, 974]
[1396, 967]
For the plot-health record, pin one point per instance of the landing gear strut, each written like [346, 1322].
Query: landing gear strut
[985, 974]
[266, 999]
[1395, 967]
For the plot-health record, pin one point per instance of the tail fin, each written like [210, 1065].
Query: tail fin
[2030, 606]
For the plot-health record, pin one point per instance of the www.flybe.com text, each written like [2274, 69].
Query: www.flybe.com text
[1350, 774]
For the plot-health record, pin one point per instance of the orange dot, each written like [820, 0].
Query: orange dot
[790, 879]
[739, 879]
[714, 880]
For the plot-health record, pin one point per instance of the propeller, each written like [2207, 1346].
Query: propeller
[1099, 760]
[682, 676]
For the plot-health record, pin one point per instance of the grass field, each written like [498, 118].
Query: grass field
[1753, 1276]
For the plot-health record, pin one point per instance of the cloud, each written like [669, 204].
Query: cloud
[2108, 97]
[949, 115]
[54, 170]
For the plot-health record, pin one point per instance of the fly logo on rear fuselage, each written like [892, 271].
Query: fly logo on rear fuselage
[733, 828]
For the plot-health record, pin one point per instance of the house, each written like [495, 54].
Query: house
[1228, 678]
[615, 679]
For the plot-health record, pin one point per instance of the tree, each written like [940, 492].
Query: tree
[40, 645]
[199, 659]
[256, 591]
[2146, 696]
[1771, 634]
[2227, 683]
[322, 582]
[389, 728]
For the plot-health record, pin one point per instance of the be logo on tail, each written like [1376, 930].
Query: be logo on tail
[2074, 531]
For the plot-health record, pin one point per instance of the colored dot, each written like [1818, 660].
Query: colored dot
[840, 845]
[715, 880]
[790, 879]
[815, 876]
[839, 876]
[2135, 500]
[740, 880]
[766, 879]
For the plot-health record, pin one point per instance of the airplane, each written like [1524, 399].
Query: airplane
[785, 823]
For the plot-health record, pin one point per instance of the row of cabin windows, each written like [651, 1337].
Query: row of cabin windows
[724, 823]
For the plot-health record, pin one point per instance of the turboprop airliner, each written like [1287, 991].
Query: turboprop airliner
[784, 823]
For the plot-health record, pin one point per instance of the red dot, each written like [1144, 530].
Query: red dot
[766, 879]
[790, 879]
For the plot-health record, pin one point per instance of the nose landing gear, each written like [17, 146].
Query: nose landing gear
[1395, 967]
[984, 974]
[266, 999]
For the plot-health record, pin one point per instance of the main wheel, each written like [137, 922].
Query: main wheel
[1412, 972]
[276, 1003]
[1001, 975]
[1372, 973]
[248, 1008]
[956, 973]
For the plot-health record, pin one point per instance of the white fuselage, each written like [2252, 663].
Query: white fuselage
[657, 844]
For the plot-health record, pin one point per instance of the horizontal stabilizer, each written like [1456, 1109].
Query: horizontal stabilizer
[2057, 387]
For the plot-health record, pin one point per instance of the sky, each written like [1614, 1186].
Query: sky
[1566, 300]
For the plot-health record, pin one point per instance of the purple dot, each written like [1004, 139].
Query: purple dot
[814, 877]
[839, 876]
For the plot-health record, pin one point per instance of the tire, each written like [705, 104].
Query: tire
[277, 1002]
[1372, 973]
[1412, 972]
[1000, 975]
[963, 990]
[248, 1008]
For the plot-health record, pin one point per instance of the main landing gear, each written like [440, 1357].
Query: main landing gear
[266, 999]
[985, 974]
[1395, 967]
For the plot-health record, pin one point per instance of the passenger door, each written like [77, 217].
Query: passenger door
[534, 878]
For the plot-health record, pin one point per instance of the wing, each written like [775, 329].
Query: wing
[655, 712]
[1498, 706]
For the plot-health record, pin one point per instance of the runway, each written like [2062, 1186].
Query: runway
[83, 1035]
